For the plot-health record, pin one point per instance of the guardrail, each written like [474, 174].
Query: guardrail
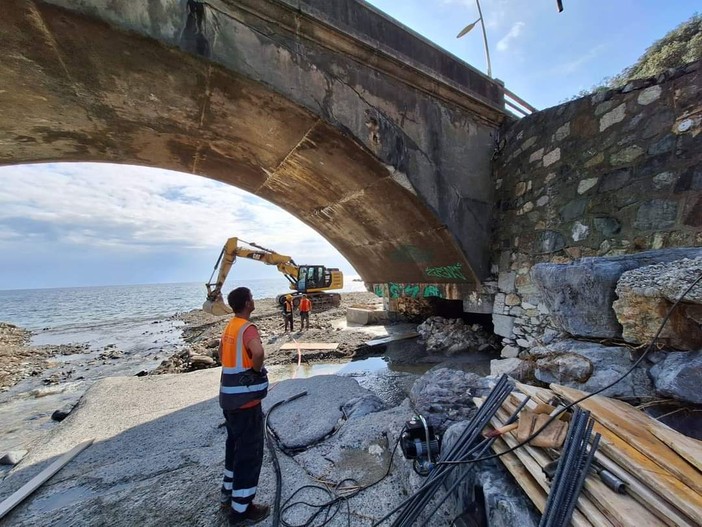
[517, 105]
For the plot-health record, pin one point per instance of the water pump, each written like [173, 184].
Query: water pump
[420, 444]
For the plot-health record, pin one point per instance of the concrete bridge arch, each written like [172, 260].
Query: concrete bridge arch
[384, 156]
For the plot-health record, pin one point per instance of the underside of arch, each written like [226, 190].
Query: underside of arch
[75, 89]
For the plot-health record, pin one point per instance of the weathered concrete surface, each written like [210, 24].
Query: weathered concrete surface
[308, 420]
[158, 458]
[353, 124]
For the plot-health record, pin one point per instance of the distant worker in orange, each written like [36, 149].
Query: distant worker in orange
[288, 312]
[305, 308]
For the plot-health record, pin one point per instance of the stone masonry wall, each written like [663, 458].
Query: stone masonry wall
[613, 173]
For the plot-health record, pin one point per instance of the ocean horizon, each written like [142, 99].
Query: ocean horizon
[90, 306]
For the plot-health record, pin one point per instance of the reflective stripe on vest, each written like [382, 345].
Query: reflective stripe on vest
[239, 383]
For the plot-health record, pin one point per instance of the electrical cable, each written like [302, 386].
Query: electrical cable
[571, 405]
[337, 497]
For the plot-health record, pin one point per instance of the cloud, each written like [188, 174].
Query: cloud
[577, 63]
[90, 206]
[513, 34]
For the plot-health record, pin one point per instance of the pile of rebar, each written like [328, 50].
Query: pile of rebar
[573, 467]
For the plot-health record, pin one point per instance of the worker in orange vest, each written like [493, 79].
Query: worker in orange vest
[305, 308]
[243, 383]
[288, 307]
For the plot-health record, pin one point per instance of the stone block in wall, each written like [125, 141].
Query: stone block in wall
[656, 214]
[505, 282]
[518, 369]
[579, 295]
[503, 325]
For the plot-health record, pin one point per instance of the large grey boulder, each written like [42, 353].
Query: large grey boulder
[679, 376]
[445, 396]
[311, 418]
[579, 295]
[645, 295]
[589, 366]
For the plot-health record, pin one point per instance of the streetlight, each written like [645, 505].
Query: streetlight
[482, 24]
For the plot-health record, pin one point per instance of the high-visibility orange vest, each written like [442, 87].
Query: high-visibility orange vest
[288, 306]
[305, 305]
[239, 383]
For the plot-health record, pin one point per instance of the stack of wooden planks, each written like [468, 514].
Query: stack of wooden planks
[660, 467]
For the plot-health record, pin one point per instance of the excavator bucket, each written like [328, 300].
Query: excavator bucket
[216, 307]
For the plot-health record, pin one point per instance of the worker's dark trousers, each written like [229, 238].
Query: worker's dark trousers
[289, 321]
[243, 456]
[304, 317]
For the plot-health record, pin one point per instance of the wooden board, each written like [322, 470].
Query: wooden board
[621, 509]
[648, 471]
[33, 484]
[579, 519]
[688, 448]
[391, 338]
[632, 425]
[310, 346]
[665, 511]
[532, 489]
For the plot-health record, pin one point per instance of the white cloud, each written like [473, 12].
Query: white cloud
[577, 63]
[513, 34]
[92, 206]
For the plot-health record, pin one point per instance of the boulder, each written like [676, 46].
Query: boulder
[579, 295]
[518, 369]
[568, 362]
[363, 405]
[678, 376]
[309, 419]
[563, 368]
[445, 396]
[645, 295]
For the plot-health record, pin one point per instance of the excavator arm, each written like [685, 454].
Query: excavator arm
[230, 252]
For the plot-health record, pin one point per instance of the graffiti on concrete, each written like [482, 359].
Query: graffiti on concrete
[400, 290]
[452, 272]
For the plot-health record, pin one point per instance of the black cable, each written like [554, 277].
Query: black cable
[336, 499]
[563, 409]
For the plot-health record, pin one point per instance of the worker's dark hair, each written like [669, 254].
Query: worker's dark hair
[238, 297]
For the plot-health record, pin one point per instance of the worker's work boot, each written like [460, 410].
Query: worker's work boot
[252, 515]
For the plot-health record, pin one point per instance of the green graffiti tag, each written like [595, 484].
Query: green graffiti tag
[432, 290]
[378, 290]
[448, 271]
[412, 290]
[395, 290]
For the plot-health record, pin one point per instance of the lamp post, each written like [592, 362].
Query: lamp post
[482, 25]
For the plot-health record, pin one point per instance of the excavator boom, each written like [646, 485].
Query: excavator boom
[311, 279]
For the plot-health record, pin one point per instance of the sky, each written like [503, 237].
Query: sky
[64, 225]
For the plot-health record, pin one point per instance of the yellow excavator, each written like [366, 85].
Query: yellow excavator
[311, 280]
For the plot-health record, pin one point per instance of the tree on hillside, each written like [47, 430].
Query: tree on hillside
[680, 46]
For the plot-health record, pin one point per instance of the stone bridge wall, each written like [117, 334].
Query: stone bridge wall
[614, 173]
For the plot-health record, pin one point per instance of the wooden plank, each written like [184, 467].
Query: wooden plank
[688, 448]
[649, 471]
[33, 484]
[391, 338]
[521, 475]
[621, 509]
[656, 504]
[310, 346]
[632, 425]
[592, 517]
